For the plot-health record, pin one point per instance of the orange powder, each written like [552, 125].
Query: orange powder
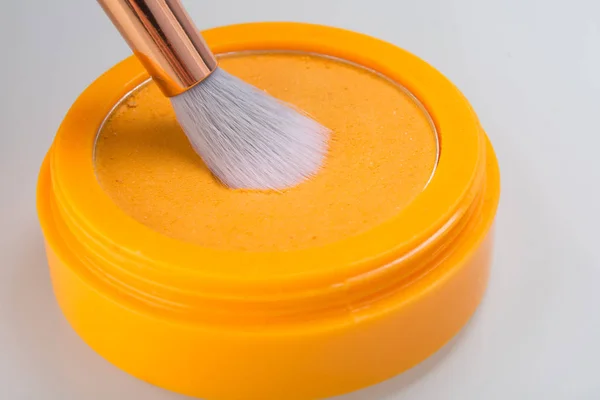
[382, 154]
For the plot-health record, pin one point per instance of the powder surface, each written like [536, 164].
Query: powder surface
[382, 154]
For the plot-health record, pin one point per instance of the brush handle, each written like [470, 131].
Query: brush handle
[164, 38]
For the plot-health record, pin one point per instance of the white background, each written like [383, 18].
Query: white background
[531, 68]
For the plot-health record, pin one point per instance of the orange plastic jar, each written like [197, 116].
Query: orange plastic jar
[305, 322]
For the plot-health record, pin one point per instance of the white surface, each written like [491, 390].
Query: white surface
[530, 68]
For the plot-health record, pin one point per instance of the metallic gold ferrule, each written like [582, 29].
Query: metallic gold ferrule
[164, 38]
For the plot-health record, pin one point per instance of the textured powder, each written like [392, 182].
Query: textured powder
[382, 154]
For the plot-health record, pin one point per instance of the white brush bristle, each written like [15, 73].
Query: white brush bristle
[247, 138]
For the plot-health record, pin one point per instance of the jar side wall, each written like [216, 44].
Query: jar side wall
[270, 364]
[327, 360]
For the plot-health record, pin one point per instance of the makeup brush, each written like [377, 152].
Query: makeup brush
[247, 138]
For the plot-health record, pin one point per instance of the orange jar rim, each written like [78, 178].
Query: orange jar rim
[140, 260]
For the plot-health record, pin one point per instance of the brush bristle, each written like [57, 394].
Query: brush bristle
[247, 138]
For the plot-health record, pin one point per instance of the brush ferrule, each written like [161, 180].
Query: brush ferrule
[165, 40]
